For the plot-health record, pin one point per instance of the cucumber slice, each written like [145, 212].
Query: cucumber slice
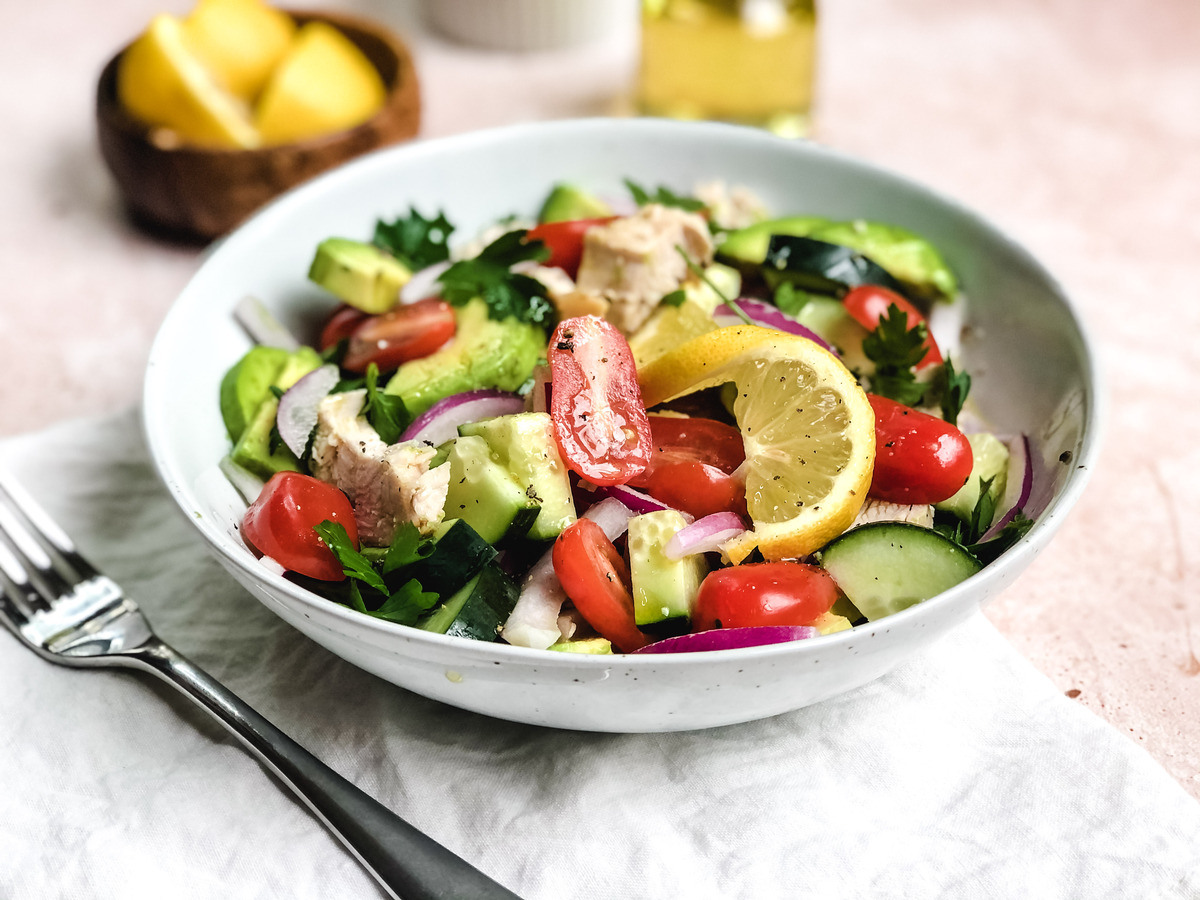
[478, 610]
[458, 554]
[885, 567]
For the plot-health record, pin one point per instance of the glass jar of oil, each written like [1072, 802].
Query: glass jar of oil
[746, 61]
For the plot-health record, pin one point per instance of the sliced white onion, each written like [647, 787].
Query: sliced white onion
[263, 328]
[534, 621]
[705, 535]
[440, 422]
[767, 315]
[1018, 487]
[243, 480]
[424, 283]
[297, 415]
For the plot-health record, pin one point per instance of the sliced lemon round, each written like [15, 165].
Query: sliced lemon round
[163, 84]
[323, 85]
[807, 426]
[240, 41]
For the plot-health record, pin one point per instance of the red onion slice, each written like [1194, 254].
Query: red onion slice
[705, 535]
[768, 316]
[297, 415]
[731, 638]
[1018, 487]
[440, 422]
[423, 283]
[636, 500]
[263, 328]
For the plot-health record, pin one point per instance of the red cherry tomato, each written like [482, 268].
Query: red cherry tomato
[407, 332]
[595, 577]
[869, 303]
[564, 240]
[279, 524]
[918, 457]
[692, 465]
[340, 325]
[596, 407]
[770, 593]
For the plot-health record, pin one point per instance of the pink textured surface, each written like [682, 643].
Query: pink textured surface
[1075, 126]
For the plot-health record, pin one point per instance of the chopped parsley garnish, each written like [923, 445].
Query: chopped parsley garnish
[953, 386]
[791, 299]
[675, 298]
[896, 349]
[489, 276]
[664, 197]
[404, 604]
[386, 412]
[414, 240]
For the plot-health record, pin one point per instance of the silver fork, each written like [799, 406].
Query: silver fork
[68, 612]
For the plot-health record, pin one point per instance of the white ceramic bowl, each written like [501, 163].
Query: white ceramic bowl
[1032, 367]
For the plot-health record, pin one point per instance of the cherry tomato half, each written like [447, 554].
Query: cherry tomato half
[340, 325]
[564, 240]
[769, 593]
[595, 577]
[409, 331]
[869, 303]
[918, 457]
[280, 523]
[692, 464]
[596, 407]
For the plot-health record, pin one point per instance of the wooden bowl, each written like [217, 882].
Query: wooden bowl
[200, 193]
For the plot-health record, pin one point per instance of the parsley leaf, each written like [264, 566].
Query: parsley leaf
[403, 605]
[407, 548]
[953, 387]
[791, 299]
[664, 197]
[896, 349]
[1016, 528]
[414, 240]
[675, 298]
[386, 412]
[505, 292]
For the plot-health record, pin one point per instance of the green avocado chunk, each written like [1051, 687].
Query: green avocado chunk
[591, 646]
[485, 353]
[749, 245]
[567, 203]
[247, 384]
[254, 448]
[359, 274]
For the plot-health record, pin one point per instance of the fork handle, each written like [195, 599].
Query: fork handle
[409, 864]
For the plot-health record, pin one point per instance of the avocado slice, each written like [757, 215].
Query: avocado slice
[567, 203]
[359, 274]
[485, 352]
[592, 646]
[247, 384]
[254, 448]
[749, 245]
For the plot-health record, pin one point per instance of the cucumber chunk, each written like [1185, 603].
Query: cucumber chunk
[885, 567]
[663, 588]
[484, 494]
[458, 555]
[477, 610]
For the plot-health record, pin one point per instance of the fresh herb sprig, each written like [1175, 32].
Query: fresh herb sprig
[490, 277]
[404, 604]
[896, 349]
[414, 240]
[664, 197]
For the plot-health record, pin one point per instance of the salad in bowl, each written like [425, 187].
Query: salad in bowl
[621, 425]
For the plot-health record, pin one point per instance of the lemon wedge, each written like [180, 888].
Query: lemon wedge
[239, 41]
[324, 84]
[162, 83]
[807, 426]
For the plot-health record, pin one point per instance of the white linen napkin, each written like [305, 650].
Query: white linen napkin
[964, 773]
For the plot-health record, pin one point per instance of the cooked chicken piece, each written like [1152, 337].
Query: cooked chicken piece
[387, 485]
[633, 261]
[730, 208]
[883, 511]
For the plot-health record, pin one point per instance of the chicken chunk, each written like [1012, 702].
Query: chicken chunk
[387, 485]
[883, 511]
[633, 261]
